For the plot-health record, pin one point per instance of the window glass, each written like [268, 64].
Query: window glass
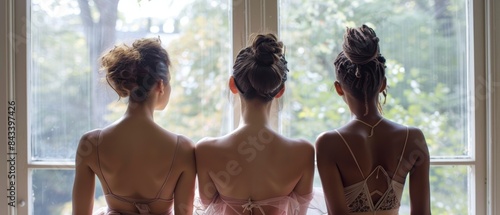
[68, 95]
[426, 45]
[450, 190]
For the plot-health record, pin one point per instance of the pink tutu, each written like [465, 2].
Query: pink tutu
[292, 204]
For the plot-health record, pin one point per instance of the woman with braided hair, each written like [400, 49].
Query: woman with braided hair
[255, 170]
[364, 164]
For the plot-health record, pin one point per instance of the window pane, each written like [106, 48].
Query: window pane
[67, 94]
[52, 190]
[450, 192]
[426, 47]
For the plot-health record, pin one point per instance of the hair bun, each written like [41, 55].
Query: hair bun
[266, 49]
[260, 69]
[133, 70]
[361, 45]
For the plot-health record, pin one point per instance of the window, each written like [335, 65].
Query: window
[68, 97]
[426, 45]
[436, 70]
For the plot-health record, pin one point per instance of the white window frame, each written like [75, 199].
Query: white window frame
[262, 16]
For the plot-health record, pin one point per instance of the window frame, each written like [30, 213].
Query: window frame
[262, 16]
[492, 85]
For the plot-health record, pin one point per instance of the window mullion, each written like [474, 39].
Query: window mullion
[5, 83]
[476, 58]
[492, 24]
[453, 162]
[52, 165]
[251, 17]
[20, 41]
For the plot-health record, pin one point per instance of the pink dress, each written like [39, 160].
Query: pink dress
[291, 204]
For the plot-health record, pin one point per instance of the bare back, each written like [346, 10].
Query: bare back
[254, 164]
[139, 162]
[384, 149]
[381, 161]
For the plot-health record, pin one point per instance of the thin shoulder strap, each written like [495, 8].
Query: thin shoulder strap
[352, 154]
[170, 169]
[99, 162]
[402, 152]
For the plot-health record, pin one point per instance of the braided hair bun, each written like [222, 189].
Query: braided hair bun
[361, 45]
[360, 68]
[260, 69]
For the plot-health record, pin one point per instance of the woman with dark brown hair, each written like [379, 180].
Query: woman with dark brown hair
[255, 170]
[364, 164]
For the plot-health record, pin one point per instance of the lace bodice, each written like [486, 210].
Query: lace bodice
[359, 196]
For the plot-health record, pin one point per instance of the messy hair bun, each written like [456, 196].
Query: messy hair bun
[132, 71]
[260, 69]
[360, 45]
[360, 67]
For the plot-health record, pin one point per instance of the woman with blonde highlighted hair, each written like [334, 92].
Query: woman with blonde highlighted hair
[143, 168]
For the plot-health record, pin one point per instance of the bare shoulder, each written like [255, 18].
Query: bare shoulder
[89, 140]
[185, 148]
[327, 140]
[329, 148]
[416, 133]
[305, 147]
[91, 136]
[416, 141]
[185, 143]
[185, 153]
[207, 141]
[87, 147]
[301, 144]
[206, 145]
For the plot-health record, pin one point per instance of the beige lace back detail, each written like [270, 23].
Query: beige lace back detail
[358, 196]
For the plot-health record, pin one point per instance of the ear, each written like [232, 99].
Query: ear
[384, 85]
[338, 88]
[281, 92]
[160, 86]
[232, 85]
